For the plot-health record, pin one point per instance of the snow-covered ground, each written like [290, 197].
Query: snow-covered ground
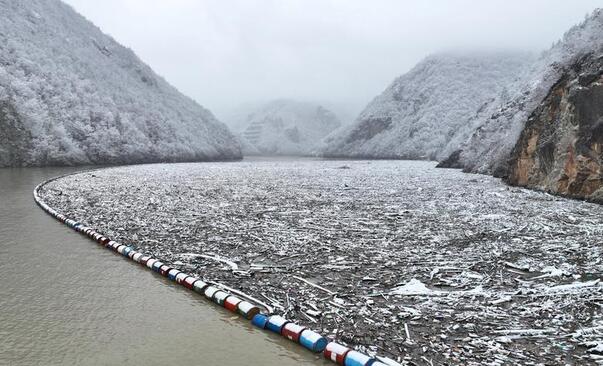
[417, 263]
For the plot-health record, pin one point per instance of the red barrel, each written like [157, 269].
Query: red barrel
[144, 259]
[292, 331]
[163, 270]
[336, 352]
[231, 303]
[189, 282]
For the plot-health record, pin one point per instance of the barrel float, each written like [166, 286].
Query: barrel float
[144, 259]
[248, 310]
[105, 241]
[100, 239]
[210, 291]
[313, 341]
[231, 303]
[172, 274]
[199, 286]
[189, 282]
[115, 245]
[156, 266]
[355, 358]
[180, 277]
[126, 251]
[260, 321]
[276, 323]
[150, 263]
[164, 270]
[292, 331]
[132, 254]
[336, 352]
[220, 296]
[110, 244]
[120, 249]
[136, 257]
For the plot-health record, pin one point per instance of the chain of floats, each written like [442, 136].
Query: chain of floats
[222, 295]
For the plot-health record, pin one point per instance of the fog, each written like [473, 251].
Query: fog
[231, 53]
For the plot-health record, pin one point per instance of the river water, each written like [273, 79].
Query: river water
[65, 301]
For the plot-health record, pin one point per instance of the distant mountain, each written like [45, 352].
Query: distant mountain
[286, 127]
[488, 150]
[71, 95]
[429, 111]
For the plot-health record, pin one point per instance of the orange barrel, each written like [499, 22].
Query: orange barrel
[164, 270]
[220, 296]
[313, 341]
[144, 259]
[210, 291]
[150, 263]
[189, 282]
[276, 323]
[292, 331]
[260, 321]
[355, 358]
[248, 310]
[199, 286]
[336, 352]
[231, 303]
[136, 257]
[180, 277]
[172, 274]
[156, 266]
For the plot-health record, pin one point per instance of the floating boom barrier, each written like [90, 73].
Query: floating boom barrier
[221, 295]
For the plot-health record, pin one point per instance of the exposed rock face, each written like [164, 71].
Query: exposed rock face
[71, 95]
[287, 127]
[488, 149]
[560, 149]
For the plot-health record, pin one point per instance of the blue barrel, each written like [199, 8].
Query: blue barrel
[157, 265]
[172, 274]
[260, 321]
[355, 358]
[126, 251]
[276, 323]
[313, 341]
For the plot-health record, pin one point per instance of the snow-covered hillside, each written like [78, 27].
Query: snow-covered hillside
[71, 95]
[489, 147]
[429, 111]
[287, 127]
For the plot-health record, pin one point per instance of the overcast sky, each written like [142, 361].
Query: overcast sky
[342, 53]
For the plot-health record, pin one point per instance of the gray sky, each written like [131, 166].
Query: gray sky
[228, 53]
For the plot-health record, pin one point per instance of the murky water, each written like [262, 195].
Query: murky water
[65, 301]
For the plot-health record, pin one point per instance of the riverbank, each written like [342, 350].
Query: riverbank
[420, 264]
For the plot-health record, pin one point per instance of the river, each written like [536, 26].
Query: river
[65, 301]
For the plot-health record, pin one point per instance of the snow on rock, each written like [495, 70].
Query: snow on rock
[413, 287]
[70, 95]
[287, 127]
[429, 111]
[489, 147]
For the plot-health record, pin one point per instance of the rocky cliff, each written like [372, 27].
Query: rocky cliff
[71, 95]
[560, 149]
[488, 149]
